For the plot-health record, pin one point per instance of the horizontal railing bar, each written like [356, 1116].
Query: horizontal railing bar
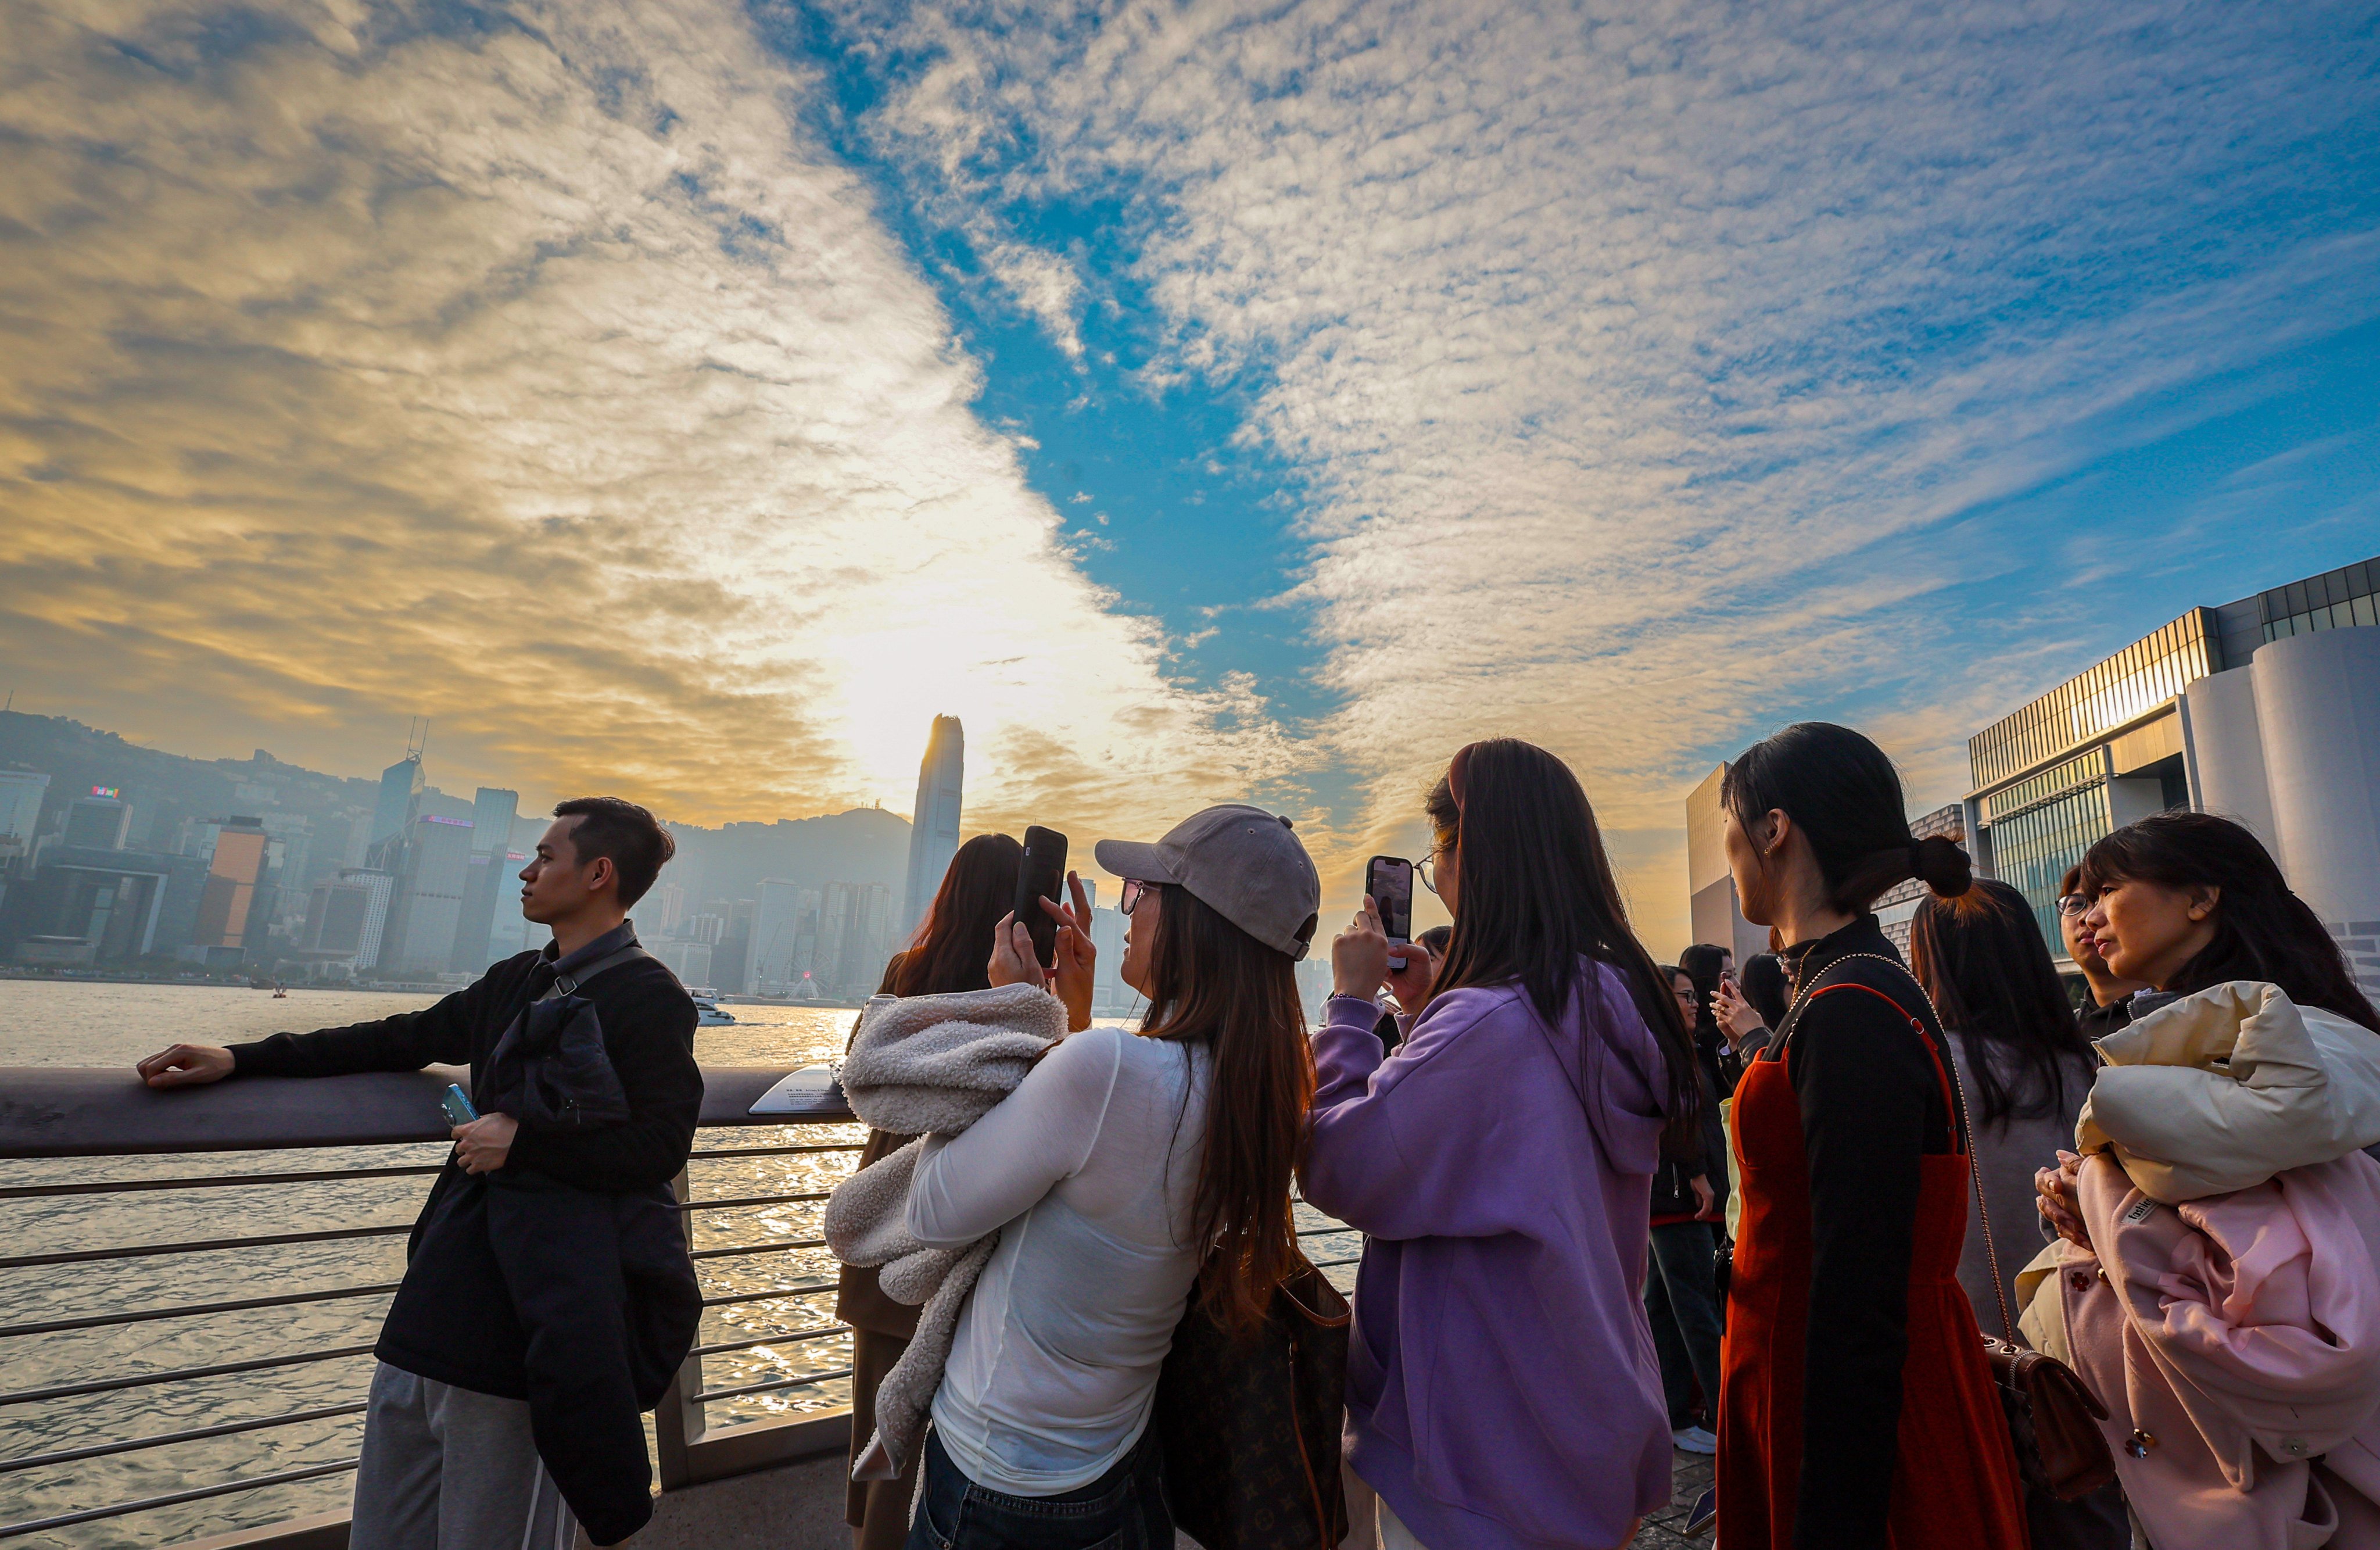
[757, 1249]
[212, 1181]
[192, 1309]
[803, 1381]
[781, 1150]
[811, 1290]
[795, 1337]
[177, 1375]
[1326, 1264]
[162, 1439]
[198, 1246]
[314, 1472]
[754, 1200]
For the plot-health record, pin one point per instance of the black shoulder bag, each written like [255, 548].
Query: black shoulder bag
[550, 1071]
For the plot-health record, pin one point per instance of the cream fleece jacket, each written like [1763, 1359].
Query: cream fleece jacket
[920, 1064]
[2225, 1087]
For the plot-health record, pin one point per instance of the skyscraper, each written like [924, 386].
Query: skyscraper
[492, 809]
[934, 826]
[420, 935]
[234, 873]
[20, 808]
[400, 798]
[98, 820]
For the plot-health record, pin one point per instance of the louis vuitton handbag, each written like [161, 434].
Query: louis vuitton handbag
[1250, 1424]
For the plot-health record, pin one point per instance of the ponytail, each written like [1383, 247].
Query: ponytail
[1844, 794]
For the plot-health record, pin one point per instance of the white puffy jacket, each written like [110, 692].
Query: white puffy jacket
[2222, 1089]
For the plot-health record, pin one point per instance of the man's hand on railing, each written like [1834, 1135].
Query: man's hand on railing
[185, 1065]
[484, 1144]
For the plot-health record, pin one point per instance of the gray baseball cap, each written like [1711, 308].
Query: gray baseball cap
[1242, 863]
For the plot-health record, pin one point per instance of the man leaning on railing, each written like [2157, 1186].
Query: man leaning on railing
[548, 1297]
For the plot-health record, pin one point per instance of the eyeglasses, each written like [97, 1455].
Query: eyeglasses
[1426, 870]
[1134, 890]
[2071, 904]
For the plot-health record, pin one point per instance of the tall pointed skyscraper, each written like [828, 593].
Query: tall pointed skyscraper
[934, 827]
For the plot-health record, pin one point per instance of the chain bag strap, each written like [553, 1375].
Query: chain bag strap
[2052, 1415]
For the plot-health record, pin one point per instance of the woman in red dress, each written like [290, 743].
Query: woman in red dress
[1856, 1408]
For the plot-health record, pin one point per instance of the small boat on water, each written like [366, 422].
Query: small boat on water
[705, 1007]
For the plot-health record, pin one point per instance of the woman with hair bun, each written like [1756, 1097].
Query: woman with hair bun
[1855, 1409]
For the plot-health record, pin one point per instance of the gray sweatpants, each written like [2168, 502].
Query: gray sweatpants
[445, 1469]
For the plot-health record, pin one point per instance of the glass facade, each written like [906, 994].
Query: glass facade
[2041, 824]
[2135, 681]
[2034, 840]
[2335, 600]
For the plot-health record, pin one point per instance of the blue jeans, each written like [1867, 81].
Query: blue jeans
[1124, 1510]
[1681, 1304]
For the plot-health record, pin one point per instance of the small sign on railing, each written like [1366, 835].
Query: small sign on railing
[807, 1091]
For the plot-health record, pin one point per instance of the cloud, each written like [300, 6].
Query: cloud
[1634, 356]
[534, 370]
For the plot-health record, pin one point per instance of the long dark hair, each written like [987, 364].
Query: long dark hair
[2262, 930]
[1212, 984]
[1762, 980]
[1844, 794]
[1537, 894]
[952, 949]
[1702, 963]
[1982, 957]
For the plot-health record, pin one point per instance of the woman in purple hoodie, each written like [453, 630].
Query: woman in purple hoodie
[1502, 1386]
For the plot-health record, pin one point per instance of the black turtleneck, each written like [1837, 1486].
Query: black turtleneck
[1872, 1104]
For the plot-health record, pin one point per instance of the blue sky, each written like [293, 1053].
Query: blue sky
[1201, 400]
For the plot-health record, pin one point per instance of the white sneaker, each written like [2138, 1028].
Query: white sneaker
[1694, 1439]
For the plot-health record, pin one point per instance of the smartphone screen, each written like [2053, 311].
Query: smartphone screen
[1042, 876]
[1389, 879]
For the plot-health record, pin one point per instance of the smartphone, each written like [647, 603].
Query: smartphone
[1043, 875]
[1388, 880]
[458, 1105]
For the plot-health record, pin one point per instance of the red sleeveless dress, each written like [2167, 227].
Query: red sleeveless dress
[1954, 1482]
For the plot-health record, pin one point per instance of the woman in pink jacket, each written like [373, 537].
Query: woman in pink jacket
[2234, 1336]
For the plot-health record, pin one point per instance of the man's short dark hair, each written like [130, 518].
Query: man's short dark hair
[629, 835]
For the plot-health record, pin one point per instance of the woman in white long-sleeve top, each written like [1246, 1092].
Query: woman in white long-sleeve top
[1121, 1165]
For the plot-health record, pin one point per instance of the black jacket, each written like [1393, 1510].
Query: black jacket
[562, 1278]
[1673, 1189]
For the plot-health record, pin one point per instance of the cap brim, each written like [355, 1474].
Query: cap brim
[1133, 858]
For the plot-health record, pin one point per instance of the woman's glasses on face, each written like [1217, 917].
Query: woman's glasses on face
[1134, 890]
[1426, 870]
[2073, 905]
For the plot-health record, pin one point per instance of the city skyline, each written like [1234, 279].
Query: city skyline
[1231, 404]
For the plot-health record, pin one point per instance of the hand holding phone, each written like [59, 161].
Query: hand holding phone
[458, 1105]
[1388, 880]
[1042, 876]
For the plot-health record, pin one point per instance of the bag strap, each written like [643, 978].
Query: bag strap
[1956, 1081]
[567, 985]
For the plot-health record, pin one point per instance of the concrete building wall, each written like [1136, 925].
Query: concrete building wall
[2318, 708]
[2226, 752]
[1714, 917]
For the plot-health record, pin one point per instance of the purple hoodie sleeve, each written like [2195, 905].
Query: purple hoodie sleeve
[1401, 1148]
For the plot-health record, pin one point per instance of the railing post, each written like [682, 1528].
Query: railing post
[678, 1421]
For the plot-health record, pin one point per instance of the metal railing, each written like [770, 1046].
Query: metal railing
[55, 1112]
